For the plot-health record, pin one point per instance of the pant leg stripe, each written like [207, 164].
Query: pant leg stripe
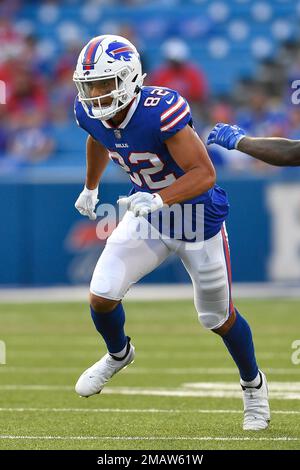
[228, 267]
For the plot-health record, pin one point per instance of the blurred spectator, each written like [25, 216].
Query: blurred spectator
[11, 41]
[31, 55]
[62, 89]
[28, 95]
[287, 53]
[264, 114]
[241, 92]
[25, 138]
[180, 74]
[272, 75]
[30, 142]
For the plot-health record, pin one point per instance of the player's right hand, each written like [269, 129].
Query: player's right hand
[87, 202]
[226, 135]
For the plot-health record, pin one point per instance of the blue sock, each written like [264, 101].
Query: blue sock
[110, 325]
[239, 343]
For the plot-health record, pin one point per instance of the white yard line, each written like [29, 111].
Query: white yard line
[273, 386]
[150, 438]
[145, 292]
[278, 390]
[133, 410]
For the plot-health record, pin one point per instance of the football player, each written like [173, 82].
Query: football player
[148, 131]
[274, 150]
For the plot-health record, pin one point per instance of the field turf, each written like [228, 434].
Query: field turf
[181, 392]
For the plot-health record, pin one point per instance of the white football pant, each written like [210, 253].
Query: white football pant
[127, 258]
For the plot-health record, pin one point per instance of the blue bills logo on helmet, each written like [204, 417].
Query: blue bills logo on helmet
[119, 51]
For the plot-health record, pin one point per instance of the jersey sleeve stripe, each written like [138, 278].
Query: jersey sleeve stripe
[172, 110]
[176, 120]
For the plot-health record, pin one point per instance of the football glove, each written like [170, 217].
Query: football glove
[87, 202]
[142, 203]
[226, 135]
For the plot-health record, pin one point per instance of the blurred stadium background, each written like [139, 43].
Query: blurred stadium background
[234, 60]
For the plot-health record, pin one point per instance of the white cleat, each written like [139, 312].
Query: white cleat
[256, 406]
[93, 379]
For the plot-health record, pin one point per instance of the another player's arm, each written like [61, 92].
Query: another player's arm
[190, 154]
[273, 150]
[96, 161]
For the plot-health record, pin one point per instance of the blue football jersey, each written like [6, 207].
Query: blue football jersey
[138, 146]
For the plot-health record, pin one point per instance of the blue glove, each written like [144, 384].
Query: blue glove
[225, 135]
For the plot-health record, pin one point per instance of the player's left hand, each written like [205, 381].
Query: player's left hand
[142, 203]
[226, 135]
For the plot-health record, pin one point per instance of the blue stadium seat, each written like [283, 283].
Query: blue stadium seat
[196, 21]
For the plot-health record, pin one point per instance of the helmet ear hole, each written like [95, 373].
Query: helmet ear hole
[124, 74]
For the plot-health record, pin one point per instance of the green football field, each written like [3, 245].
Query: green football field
[181, 392]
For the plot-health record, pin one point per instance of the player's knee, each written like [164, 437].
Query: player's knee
[107, 286]
[102, 305]
[212, 320]
[211, 296]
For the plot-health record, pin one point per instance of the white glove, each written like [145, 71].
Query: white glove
[87, 202]
[142, 203]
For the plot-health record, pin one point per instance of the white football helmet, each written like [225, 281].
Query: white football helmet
[108, 57]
